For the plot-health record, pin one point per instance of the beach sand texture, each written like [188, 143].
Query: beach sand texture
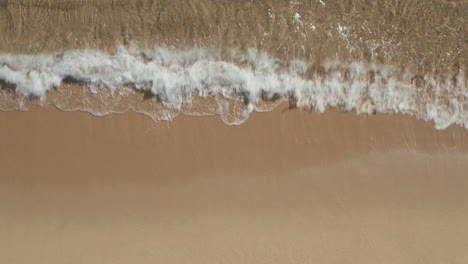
[233, 131]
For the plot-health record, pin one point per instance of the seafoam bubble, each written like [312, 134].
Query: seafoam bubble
[174, 76]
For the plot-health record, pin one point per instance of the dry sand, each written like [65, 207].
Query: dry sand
[285, 187]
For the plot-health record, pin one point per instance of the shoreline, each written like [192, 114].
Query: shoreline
[245, 172]
[284, 187]
[281, 140]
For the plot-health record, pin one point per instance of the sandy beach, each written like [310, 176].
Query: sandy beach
[217, 131]
[285, 187]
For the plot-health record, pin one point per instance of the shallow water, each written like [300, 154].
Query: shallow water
[235, 57]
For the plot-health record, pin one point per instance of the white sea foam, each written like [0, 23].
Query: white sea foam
[175, 75]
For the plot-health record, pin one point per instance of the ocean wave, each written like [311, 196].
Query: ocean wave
[175, 76]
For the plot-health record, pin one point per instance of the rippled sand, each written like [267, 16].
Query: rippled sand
[428, 35]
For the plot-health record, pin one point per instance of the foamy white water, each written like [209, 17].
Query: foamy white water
[174, 76]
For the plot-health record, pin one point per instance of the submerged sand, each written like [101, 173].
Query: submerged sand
[287, 186]
[427, 36]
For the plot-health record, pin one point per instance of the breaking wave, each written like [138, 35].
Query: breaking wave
[249, 80]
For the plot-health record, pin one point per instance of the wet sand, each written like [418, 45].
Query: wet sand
[88, 148]
[287, 186]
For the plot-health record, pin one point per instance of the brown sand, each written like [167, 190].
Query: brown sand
[285, 187]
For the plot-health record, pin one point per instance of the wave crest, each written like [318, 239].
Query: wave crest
[174, 77]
